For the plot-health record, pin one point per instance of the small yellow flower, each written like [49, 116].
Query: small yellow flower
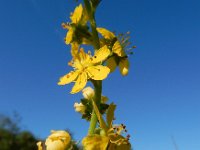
[58, 140]
[86, 67]
[79, 19]
[79, 107]
[118, 48]
[95, 142]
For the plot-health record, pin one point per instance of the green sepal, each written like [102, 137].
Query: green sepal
[103, 108]
[100, 118]
[95, 3]
[110, 114]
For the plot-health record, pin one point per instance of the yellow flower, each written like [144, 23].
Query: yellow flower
[58, 140]
[78, 22]
[79, 107]
[118, 48]
[98, 142]
[86, 67]
[95, 142]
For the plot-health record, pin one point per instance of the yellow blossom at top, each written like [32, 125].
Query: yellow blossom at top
[86, 67]
[78, 19]
[118, 48]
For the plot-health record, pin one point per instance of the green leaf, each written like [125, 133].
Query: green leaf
[84, 101]
[100, 118]
[110, 114]
[103, 108]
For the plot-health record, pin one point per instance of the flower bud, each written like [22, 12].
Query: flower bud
[79, 107]
[58, 140]
[88, 93]
[39, 145]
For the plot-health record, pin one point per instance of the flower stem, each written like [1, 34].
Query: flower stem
[97, 84]
[97, 100]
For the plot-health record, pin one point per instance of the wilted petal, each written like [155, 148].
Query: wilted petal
[111, 64]
[117, 49]
[124, 66]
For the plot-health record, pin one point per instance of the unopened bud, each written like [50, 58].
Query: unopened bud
[88, 93]
[79, 107]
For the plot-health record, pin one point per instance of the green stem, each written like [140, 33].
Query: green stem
[96, 43]
[97, 84]
[97, 100]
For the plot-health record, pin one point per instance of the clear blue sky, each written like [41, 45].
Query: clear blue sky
[159, 98]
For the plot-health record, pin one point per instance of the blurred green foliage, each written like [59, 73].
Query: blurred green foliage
[12, 138]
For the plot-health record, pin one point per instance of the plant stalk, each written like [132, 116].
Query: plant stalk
[97, 84]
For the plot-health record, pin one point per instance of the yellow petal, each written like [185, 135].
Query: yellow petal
[82, 55]
[95, 142]
[117, 49]
[106, 33]
[98, 72]
[77, 14]
[111, 64]
[124, 66]
[80, 83]
[84, 17]
[39, 144]
[74, 49]
[58, 140]
[68, 78]
[100, 55]
[69, 36]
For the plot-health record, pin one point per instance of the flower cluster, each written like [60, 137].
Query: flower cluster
[109, 52]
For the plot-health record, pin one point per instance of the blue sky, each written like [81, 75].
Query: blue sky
[159, 98]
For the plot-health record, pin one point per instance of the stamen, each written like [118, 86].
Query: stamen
[70, 63]
[65, 25]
